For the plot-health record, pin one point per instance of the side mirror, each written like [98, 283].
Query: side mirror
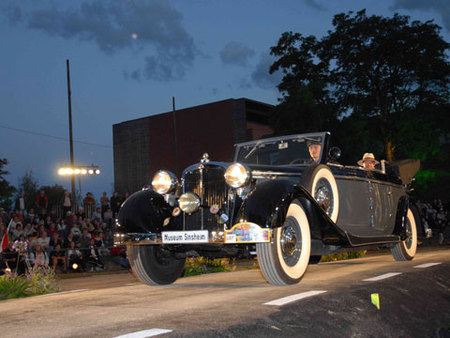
[334, 154]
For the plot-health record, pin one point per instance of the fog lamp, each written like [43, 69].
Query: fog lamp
[189, 202]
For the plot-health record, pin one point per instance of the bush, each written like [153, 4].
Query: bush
[198, 266]
[37, 281]
[343, 256]
[12, 286]
[43, 280]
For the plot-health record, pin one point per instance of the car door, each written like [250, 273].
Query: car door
[357, 200]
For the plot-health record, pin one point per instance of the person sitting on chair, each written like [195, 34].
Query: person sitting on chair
[93, 256]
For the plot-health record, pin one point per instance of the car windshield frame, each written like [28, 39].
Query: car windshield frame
[251, 148]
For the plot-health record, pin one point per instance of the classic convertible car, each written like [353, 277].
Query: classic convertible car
[284, 199]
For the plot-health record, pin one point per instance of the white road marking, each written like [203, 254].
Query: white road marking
[62, 293]
[427, 265]
[293, 298]
[380, 277]
[145, 333]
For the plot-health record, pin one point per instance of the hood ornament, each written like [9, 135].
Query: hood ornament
[205, 158]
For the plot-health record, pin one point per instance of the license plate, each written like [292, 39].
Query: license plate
[175, 237]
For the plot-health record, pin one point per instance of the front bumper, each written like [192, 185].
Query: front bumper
[240, 233]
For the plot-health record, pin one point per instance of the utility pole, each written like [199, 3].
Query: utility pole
[175, 138]
[70, 131]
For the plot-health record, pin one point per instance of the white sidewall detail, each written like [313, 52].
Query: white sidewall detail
[328, 175]
[412, 250]
[296, 271]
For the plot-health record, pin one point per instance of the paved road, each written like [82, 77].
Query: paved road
[414, 302]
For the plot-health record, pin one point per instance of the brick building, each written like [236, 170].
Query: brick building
[145, 145]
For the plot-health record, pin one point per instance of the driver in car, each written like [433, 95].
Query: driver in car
[314, 147]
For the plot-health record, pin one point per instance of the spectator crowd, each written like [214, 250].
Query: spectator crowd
[74, 238]
[434, 217]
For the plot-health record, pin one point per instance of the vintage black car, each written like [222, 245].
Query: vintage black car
[284, 199]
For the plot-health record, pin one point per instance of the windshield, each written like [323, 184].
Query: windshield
[281, 151]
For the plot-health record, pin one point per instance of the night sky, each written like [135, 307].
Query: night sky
[127, 60]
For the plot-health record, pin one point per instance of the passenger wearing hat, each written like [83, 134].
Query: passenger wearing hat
[368, 161]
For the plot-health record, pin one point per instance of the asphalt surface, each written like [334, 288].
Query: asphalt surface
[414, 302]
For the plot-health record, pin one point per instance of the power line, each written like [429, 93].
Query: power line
[53, 137]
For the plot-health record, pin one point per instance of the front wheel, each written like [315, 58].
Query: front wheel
[150, 264]
[406, 250]
[285, 259]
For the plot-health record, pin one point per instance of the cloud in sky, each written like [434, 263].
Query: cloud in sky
[235, 53]
[261, 76]
[440, 6]
[117, 25]
[314, 4]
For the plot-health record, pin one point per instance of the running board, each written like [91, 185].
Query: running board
[363, 240]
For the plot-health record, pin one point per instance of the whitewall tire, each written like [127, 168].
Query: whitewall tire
[285, 260]
[406, 250]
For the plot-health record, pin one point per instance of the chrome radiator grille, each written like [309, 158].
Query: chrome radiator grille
[209, 184]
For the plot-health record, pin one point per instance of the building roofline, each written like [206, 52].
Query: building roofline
[267, 105]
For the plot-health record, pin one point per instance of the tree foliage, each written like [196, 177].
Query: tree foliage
[6, 189]
[55, 194]
[379, 84]
[29, 186]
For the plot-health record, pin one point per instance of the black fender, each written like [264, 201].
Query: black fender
[267, 205]
[404, 204]
[400, 218]
[143, 212]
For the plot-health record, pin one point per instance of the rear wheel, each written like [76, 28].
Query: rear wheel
[406, 250]
[285, 259]
[152, 267]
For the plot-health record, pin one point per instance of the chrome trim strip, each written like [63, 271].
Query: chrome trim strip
[365, 179]
[272, 173]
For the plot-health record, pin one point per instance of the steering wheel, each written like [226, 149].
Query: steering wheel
[297, 160]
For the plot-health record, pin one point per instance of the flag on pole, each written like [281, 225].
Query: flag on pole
[5, 239]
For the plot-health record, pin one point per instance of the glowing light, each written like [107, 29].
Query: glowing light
[134, 36]
[74, 266]
[67, 171]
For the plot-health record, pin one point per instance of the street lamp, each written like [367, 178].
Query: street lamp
[79, 171]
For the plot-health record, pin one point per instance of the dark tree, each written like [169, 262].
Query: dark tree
[6, 189]
[55, 195]
[29, 186]
[307, 104]
[373, 81]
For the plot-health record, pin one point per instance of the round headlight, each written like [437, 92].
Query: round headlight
[237, 175]
[164, 182]
[189, 202]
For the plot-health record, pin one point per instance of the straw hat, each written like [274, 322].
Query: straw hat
[367, 156]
